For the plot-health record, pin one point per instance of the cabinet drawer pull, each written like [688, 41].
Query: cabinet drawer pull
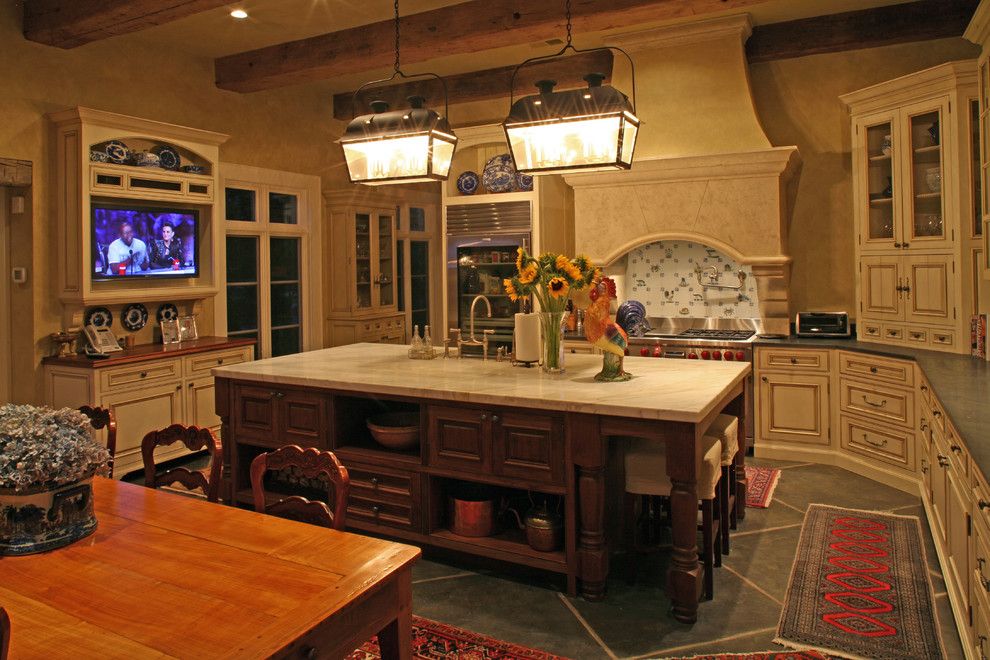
[374, 482]
[143, 374]
[924, 466]
[376, 509]
[793, 360]
[917, 335]
[982, 639]
[936, 413]
[873, 370]
[219, 360]
[882, 443]
[924, 424]
[883, 402]
[956, 449]
[985, 583]
[983, 504]
[943, 461]
[924, 388]
[276, 395]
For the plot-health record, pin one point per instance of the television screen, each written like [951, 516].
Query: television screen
[133, 242]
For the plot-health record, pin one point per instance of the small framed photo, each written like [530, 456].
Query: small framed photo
[187, 328]
[170, 331]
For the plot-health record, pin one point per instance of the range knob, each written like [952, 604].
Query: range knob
[657, 351]
[705, 355]
[716, 355]
[740, 356]
[692, 356]
[645, 351]
[728, 355]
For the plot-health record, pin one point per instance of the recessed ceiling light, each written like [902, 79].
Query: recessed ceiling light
[239, 13]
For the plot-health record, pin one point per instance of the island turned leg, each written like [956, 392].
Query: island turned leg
[684, 583]
[590, 451]
[738, 407]
[222, 406]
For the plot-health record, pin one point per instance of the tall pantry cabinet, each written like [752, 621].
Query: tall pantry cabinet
[915, 216]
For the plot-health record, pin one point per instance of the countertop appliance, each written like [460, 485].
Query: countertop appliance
[822, 324]
[703, 339]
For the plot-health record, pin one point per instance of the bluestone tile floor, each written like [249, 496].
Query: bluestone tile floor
[529, 608]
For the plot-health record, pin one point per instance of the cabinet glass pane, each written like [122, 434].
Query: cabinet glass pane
[283, 208]
[286, 313]
[976, 180]
[241, 204]
[417, 219]
[242, 308]
[419, 280]
[285, 259]
[285, 341]
[362, 258]
[400, 275]
[880, 181]
[925, 215]
[242, 286]
[386, 289]
[242, 259]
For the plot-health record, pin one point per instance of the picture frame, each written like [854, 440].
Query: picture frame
[187, 328]
[170, 331]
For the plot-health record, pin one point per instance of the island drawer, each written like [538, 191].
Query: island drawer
[877, 401]
[791, 359]
[204, 363]
[137, 375]
[275, 416]
[384, 497]
[898, 372]
[892, 446]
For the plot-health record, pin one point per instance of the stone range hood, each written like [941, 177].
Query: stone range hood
[704, 169]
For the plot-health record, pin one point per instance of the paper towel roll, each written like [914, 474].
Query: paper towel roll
[526, 338]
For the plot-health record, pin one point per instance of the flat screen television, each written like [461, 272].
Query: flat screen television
[142, 241]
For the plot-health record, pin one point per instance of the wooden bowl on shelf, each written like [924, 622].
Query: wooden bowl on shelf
[395, 430]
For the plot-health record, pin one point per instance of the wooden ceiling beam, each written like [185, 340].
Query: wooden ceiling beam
[468, 27]
[478, 85]
[868, 28]
[71, 23]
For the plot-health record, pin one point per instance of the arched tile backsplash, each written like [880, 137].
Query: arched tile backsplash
[663, 277]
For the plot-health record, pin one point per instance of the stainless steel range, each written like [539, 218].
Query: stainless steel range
[702, 339]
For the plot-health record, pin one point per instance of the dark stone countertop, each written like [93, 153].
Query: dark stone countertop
[961, 383]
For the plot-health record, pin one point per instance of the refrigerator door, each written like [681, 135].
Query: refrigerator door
[476, 267]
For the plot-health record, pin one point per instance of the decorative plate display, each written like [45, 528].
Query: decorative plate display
[193, 169]
[524, 182]
[147, 159]
[500, 174]
[98, 156]
[467, 183]
[167, 156]
[134, 317]
[101, 317]
[117, 152]
[167, 312]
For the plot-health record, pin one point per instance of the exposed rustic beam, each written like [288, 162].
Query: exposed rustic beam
[867, 28]
[71, 23]
[468, 27]
[479, 85]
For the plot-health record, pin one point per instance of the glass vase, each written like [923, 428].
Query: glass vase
[552, 324]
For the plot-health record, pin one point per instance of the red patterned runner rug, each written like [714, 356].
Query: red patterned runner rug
[762, 482]
[436, 641]
[859, 588]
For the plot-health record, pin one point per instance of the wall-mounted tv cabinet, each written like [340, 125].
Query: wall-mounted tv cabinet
[184, 178]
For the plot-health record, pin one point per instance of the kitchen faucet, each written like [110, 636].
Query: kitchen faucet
[474, 341]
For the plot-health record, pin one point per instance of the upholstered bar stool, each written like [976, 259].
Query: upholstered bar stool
[646, 475]
[726, 429]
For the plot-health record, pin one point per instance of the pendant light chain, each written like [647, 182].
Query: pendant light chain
[397, 34]
[568, 9]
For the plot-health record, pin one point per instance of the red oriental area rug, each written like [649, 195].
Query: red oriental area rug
[762, 482]
[859, 588]
[436, 641]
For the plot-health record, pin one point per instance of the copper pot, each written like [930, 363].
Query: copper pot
[472, 515]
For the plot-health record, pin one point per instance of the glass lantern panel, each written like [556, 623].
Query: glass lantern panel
[566, 144]
[387, 158]
[629, 132]
[443, 153]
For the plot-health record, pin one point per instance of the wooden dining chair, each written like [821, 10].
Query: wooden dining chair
[195, 439]
[100, 418]
[4, 634]
[309, 464]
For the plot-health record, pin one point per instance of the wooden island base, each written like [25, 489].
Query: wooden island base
[555, 442]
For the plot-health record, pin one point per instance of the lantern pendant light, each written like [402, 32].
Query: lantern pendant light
[575, 130]
[414, 145]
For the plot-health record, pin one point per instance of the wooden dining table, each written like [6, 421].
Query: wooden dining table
[169, 576]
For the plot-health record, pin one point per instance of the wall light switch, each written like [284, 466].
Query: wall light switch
[19, 275]
[17, 205]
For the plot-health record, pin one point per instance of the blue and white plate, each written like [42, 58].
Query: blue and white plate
[98, 156]
[193, 169]
[500, 174]
[167, 312]
[467, 183]
[524, 182]
[117, 152]
[101, 317]
[134, 317]
[147, 159]
[167, 156]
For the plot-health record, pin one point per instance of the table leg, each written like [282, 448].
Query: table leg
[684, 583]
[395, 639]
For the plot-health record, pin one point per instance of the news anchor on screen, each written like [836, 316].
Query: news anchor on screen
[127, 254]
[166, 252]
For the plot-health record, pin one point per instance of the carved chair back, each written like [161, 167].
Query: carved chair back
[194, 438]
[4, 634]
[100, 418]
[311, 464]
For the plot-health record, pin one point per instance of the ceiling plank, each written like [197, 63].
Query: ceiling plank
[478, 85]
[468, 27]
[881, 26]
[71, 23]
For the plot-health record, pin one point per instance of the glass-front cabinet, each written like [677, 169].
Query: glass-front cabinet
[373, 260]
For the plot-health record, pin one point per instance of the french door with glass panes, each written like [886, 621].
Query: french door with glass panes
[266, 255]
[416, 229]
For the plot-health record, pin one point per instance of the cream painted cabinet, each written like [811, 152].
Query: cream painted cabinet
[912, 203]
[794, 408]
[139, 411]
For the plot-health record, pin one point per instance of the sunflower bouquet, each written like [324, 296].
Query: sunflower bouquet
[550, 278]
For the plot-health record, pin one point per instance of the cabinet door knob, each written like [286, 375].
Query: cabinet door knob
[191, 385]
[793, 360]
[376, 509]
[983, 504]
[905, 245]
[897, 245]
[178, 388]
[764, 379]
[495, 418]
[279, 395]
[936, 413]
[374, 482]
[956, 449]
[484, 417]
[873, 370]
[943, 461]
[143, 374]
[924, 388]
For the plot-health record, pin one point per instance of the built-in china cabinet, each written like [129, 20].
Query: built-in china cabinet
[913, 191]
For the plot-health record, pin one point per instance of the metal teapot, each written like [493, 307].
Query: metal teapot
[544, 528]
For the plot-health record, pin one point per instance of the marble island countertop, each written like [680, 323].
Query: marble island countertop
[674, 390]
